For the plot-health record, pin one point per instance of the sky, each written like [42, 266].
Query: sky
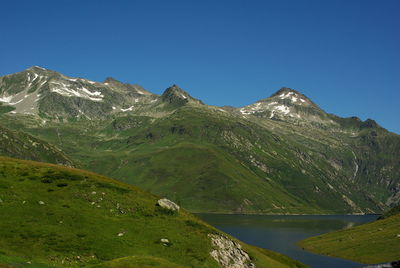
[342, 54]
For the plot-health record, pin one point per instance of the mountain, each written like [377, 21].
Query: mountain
[282, 154]
[58, 216]
[52, 95]
[287, 105]
[370, 243]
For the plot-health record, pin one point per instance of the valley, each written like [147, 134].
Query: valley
[281, 155]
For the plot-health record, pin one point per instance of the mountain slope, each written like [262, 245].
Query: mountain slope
[52, 95]
[282, 154]
[370, 243]
[21, 145]
[59, 216]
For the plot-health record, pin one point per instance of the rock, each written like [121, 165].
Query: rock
[121, 234]
[165, 242]
[393, 264]
[41, 203]
[228, 253]
[168, 204]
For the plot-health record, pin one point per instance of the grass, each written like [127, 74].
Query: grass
[369, 243]
[216, 162]
[59, 216]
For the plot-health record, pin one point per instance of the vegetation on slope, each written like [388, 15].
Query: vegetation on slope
[369, 243]
[24, 146]
[59, 216]
[211, 161]
[282, 154]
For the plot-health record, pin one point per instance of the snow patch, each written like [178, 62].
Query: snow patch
[128, 109]
[82, 92]
[96, 93]
[292, 96]
[6, 99]
[282, 108]
[243, 111]
[14, 103]
[272, 114]
[287, 95]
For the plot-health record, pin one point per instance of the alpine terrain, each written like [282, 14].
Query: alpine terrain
[280, 155]
[62, 217]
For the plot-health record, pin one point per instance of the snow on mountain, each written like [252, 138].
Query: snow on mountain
[41, 91]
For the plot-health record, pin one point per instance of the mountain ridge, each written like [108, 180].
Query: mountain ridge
[284, 104]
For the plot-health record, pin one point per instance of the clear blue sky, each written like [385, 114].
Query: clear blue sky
[343, 54]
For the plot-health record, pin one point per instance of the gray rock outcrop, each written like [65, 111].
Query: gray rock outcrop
[168, 204]
[394, 264]
[228, 253]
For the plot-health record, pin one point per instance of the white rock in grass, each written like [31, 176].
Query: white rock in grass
[228, 253]
[41, 203]
[121, 234]
[168, 204]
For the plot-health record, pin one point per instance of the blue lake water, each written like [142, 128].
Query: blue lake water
[280, 233]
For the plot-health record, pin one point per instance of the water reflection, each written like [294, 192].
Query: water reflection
[280, 233]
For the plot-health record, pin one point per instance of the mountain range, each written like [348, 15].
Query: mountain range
[280, 155]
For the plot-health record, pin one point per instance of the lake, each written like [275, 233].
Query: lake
[280, 233]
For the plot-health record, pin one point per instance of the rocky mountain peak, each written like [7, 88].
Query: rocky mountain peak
[177, 96]
[291, 96]
[288, 105]
[111, 80]
[36, 69]
[369, 123]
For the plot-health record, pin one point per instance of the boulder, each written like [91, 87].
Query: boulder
[228, 253]
[168, 204]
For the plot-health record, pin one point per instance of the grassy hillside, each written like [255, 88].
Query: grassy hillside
[58, 216]
[391, 212]
[22, 145]
[209, 160]
[370, 243]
